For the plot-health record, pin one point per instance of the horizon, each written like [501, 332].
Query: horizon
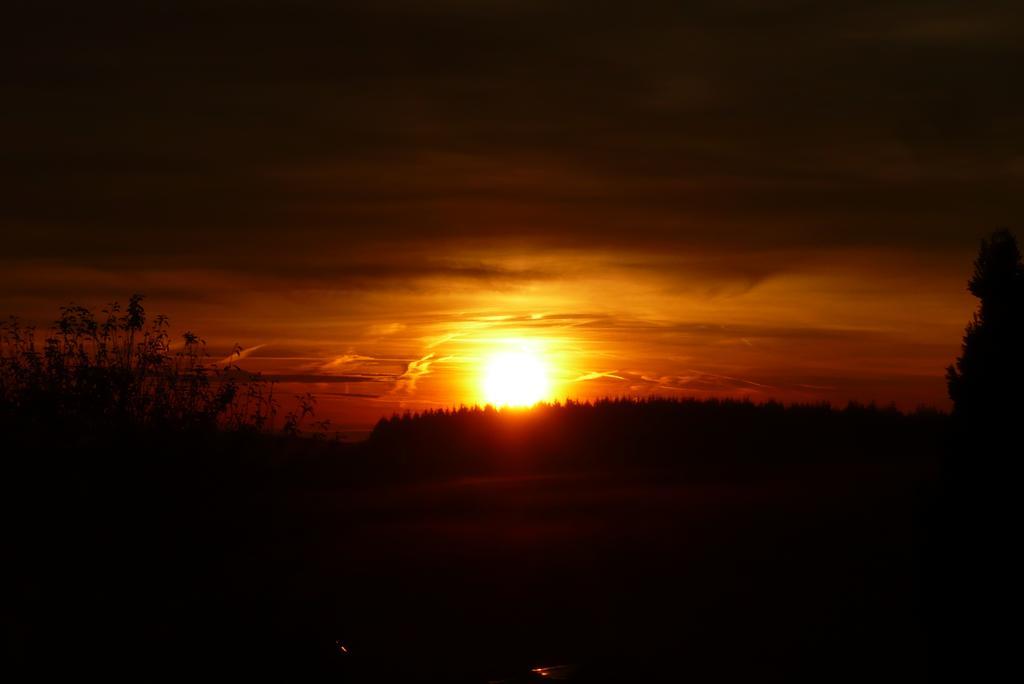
[344, 390]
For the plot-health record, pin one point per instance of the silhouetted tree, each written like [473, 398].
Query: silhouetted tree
[987, 380]
[976, 570]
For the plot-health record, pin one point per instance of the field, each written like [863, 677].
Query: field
[808, 576]
[260, 556]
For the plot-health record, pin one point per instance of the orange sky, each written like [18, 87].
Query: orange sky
[848, 324]
[776, 200]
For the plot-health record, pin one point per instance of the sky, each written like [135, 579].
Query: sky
[770, 200]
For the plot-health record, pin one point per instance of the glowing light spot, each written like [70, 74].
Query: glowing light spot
[518, 378]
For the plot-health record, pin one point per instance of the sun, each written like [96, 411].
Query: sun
[515, 378]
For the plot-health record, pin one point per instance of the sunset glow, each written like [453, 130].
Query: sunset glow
[515, 379]
[634, 199]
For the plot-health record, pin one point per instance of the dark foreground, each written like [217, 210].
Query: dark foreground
[804, 577]
[624, 543]
[813, 574]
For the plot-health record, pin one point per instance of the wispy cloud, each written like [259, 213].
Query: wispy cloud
[317, 379]
[596, 375]
[239, 354]
[691, 381]
[344, 360]
[405, 384]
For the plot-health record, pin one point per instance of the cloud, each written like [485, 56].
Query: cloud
[704, 125]
[320, 378]
[344, 360]
[385, 329]
[597, 375]
[698, 382]
[405, 384]
[239, 355]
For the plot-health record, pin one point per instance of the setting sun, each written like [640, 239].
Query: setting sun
[516, 378]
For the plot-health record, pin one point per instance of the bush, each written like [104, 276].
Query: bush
[115, 370]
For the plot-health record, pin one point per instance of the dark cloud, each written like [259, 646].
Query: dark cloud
[225, 132]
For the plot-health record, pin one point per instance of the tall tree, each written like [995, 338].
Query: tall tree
[987, 380]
